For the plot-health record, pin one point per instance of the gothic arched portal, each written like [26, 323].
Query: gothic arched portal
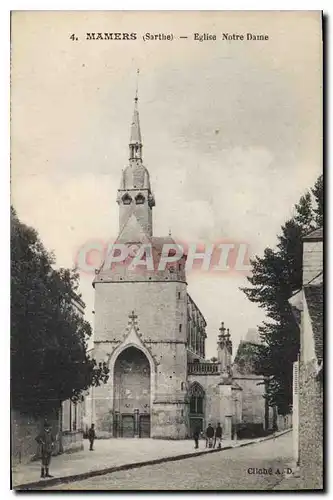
[196, 396]
[131, 397]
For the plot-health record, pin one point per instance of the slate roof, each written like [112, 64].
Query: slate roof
[316, 235]
[314, 299]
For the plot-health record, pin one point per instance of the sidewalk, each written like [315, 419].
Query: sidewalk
[114, 454]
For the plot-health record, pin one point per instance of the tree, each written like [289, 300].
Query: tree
[318, 193]
[275, 277]
[49, 360]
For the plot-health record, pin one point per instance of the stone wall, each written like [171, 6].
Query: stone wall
[24, 430]
[161, 314]
[311, 427]
[72, 441]
[168, 421]
[253, 402]
[237, 397]
[284, 422]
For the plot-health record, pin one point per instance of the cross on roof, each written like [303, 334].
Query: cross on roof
[222, 329]
[133, 316]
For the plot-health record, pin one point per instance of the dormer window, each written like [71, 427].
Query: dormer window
[140, 199]
[127, 200]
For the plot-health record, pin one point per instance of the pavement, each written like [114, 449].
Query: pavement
[290, 482]
[114, 455]
[261, 466]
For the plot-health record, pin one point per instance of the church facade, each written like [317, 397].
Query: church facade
[152, 334]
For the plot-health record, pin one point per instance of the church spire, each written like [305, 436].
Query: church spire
[135, 144]
[135, 197]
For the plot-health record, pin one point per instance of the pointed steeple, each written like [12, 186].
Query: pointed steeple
[135, 126]
[135, 144]
[135, 197]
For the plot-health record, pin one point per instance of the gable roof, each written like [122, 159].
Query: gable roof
[315, 303]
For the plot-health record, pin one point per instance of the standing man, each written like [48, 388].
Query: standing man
[92, 436]
[218, 435]
[196, 435]
[210, 435]
[46, 442]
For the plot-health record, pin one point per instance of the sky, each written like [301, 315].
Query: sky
[231, 132]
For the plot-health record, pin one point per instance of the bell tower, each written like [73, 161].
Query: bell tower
[135, 198]
[146, 391]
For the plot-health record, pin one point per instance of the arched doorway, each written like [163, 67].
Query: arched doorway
[131, 398]
[197, 407]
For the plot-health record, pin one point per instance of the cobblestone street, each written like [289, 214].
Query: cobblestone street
[228, 470]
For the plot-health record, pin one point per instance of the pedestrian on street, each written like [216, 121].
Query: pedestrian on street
[92, 436]
[218, 435]
[210, 435]
[46, 442]
[196, 435]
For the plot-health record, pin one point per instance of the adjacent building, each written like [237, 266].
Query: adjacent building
[308, 370]
[72, 414]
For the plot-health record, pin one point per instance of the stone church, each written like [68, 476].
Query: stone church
[152, 334]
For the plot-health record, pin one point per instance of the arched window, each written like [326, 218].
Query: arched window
[197, 395]
[127, 200]
[140, 199]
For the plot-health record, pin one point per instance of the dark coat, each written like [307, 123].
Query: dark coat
[91, 434]
[196, 434]
[218, 432]
[210, 432]
[46, 441]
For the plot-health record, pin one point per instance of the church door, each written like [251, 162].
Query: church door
[127, 426]
[132, 393]
[144, 426]
[196, 413]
